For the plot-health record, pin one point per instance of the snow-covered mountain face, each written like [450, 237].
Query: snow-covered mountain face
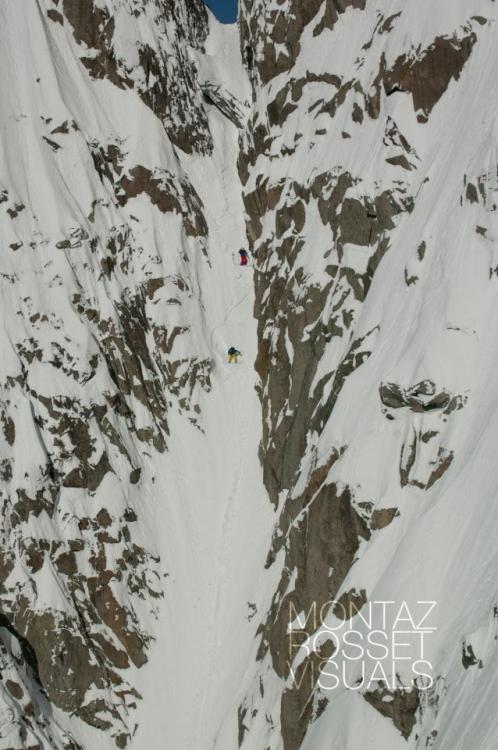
[186, 541]
[370, 177]
[108, 347]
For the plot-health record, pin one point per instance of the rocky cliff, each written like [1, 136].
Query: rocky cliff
[181, 538]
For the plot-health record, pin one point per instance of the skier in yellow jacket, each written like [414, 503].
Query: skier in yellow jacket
[233, 355]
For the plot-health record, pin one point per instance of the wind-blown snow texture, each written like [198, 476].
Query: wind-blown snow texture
[162, 511]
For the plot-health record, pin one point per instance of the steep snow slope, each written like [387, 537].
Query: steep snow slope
[370, 183]
[219, 523]
[182, 538]
[134, 514]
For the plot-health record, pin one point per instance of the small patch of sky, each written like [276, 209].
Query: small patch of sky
[224, 10]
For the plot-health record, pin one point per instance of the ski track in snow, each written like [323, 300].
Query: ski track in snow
[234, 379]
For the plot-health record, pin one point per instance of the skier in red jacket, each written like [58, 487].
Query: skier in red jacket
[244, 258]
